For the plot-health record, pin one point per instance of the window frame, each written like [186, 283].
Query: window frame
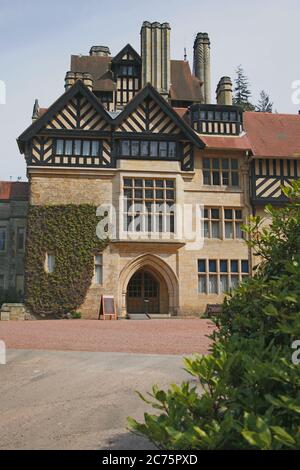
[150, 144]
[217, 170]
[74, 145]
[220, 273]
[144, 200]
[98, 264]
[222, 222]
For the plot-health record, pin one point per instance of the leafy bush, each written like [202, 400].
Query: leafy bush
[69, 232]
[248, 395]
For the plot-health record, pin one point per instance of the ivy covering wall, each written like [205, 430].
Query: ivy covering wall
[69, 233]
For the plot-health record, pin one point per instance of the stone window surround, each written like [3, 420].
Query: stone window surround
[230, 274]
[98, 263]
[216, 174]
[166, 199]
[222, 221]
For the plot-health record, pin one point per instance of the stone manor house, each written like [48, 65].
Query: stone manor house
[143, 126]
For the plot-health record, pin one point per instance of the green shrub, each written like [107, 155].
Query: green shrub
[69, 232]
[248, 396]
[76, 315]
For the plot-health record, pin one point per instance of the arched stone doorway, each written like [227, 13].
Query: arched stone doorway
[160, 274]
[147, 293]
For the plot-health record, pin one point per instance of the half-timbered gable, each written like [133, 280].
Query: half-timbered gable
[150, 128]
[126, 67]
[75, 131]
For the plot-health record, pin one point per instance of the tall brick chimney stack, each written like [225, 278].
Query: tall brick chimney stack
[202, 67]
[155, 52]
[224, 91]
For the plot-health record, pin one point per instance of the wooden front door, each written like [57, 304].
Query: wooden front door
[143, 287]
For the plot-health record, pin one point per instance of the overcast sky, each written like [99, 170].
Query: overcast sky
[37, 38]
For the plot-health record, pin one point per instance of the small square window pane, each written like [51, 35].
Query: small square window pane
[172, 149]
[238, 230]
[206, 230]
[138, 193]
[170, 184]
[205, 213]
[212, 266]
[69, 147]
[206, 177]
[125, 148]
[206, 163]
[228, 230]
[77, 147]
[201, 265]
[98, 274]
[245, 266]
[216, 163]
[213, 284]
[159, 183]
[144, 149]
[95, 148]
[163, 149]
[149, 194]
[225, 178]
[223, 266]
[233, 116]
[215, 228]
[59, 147]
[225, 116]
[225, 163]
[138, 183]
[149, 183]
[202, 288]
[128, 182]
[238, 214]
[128, 193]
[216, 178]
[170, 194]
[215, 213]
[210, 116]
[234, 266]
[228, 214]
[234, 281]
[224, 284]
[135, 148]
[235, 179]
[234, 164]
[86, 148]
[217, 116]
[153, 149]
[159, 194]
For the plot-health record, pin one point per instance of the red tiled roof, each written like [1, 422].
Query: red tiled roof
[230, 143]
[273, 135]
[184, 85]
[13, 190]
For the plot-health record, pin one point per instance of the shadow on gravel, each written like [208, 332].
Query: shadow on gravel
[128, 441]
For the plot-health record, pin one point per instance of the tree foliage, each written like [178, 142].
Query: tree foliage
[242, 91]
[248, 392]
[264, 104]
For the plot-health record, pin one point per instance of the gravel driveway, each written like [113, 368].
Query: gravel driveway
[174, 336]
[78, 400]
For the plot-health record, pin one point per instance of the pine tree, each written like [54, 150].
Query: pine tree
[264, 105]
[242, 91]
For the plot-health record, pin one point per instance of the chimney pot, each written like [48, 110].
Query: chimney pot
[102, 51]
